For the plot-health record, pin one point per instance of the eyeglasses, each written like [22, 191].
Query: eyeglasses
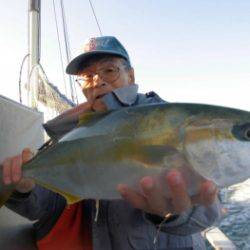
[108, 74]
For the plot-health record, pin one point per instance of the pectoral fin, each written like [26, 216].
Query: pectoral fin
[161, 156]
[158, 156]
[154, 154]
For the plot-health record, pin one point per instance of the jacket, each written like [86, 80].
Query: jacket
[119, 225]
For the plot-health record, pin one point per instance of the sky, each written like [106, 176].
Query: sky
[186, 51]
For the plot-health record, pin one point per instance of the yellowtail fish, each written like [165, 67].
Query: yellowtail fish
[201, 141]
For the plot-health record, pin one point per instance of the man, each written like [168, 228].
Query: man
[139, 221]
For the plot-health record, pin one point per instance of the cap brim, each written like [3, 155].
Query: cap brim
[77, 63]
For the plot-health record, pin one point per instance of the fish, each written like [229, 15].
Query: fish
[203, 142]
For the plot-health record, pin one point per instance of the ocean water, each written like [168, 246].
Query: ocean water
[236, 224]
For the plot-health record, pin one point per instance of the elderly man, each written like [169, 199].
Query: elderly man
[107, 80]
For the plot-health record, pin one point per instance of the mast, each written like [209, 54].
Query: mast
[34, 51]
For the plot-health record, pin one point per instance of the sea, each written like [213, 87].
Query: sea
[236, 223]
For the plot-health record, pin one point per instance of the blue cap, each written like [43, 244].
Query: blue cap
[104, 45]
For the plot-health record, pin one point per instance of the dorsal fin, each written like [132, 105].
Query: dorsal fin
[91, 118]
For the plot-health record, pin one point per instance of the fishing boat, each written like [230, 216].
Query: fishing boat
[22, 124]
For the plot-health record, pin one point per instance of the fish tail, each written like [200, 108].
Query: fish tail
[5, 190]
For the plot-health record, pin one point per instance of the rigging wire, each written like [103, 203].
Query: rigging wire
[68, 53]
[20, 78]
[92, 7]
[60, 49]
[65, 30]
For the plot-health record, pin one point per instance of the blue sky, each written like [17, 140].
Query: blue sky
[186, 51]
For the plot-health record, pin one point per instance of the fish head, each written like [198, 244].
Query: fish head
[217, 146]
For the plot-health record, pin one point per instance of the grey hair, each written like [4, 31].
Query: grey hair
[126, 63]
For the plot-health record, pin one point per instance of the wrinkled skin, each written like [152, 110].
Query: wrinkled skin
[98, 87]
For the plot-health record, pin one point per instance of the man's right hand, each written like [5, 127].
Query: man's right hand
[12, 172]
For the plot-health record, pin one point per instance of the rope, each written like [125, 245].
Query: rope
[166, 217]
[43, 71]
[68, 53]
[20, 77]
[58, 101]
[97, 208]
[91, 5]
[33, 102]
[60, 49]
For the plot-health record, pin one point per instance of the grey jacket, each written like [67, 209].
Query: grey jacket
[119, 226]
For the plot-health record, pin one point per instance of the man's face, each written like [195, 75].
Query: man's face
[102, 77]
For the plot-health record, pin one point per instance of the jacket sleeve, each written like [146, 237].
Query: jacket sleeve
[192, 221]
[37, 204]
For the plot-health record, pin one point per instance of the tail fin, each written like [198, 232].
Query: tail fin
[5, 191]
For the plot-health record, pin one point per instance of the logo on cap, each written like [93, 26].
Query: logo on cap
[90, 46]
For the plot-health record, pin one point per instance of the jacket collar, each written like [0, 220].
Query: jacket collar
[118, 98]
[57, 127]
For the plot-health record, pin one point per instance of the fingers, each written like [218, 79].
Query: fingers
[26, 155]
[12, 167]
[16, 169]
[153, 201]
[135, 199]
[156, 202]
[7, 171]
[178, 192]
[12, 172]
[207, 195]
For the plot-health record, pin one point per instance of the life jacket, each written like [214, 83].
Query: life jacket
[72, 231]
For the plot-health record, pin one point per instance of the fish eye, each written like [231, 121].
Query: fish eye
[247, 134]
[242, 132]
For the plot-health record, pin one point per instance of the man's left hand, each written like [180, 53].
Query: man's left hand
[151, 200]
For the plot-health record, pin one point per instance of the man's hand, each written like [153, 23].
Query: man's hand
[12, 172]
[152, 201]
